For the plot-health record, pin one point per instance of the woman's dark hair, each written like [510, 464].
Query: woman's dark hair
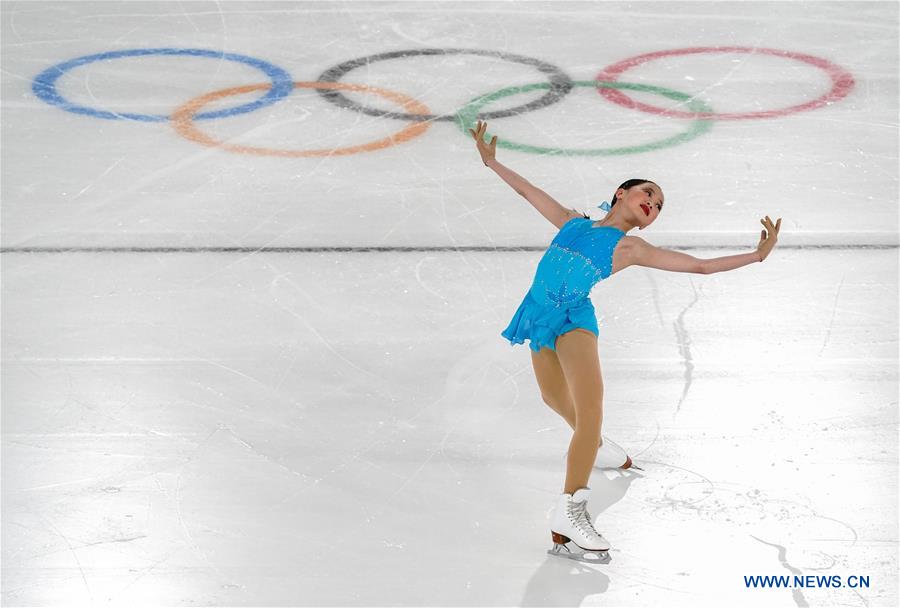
[625, 186]
[629, 184]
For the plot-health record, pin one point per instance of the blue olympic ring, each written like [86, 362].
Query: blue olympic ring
[44, 84]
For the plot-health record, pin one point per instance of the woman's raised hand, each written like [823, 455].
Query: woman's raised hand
[487, 150]
[767, 241]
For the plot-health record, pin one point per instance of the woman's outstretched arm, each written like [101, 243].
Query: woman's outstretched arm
[540, 200]
[643, 253]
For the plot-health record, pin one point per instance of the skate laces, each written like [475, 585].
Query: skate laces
[580, 517]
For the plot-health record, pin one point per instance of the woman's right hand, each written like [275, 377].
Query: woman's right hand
[488, 151]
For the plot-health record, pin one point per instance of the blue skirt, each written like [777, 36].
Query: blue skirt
[541, 325]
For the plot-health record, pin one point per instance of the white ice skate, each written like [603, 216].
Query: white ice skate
[612, 456]
[573, 532]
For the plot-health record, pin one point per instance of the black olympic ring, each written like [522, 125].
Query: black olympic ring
[560, 84]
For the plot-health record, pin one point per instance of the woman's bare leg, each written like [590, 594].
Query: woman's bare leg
[580, 362]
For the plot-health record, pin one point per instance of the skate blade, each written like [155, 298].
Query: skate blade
[580, 555]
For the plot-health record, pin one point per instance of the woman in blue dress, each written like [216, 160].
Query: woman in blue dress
[557, 318]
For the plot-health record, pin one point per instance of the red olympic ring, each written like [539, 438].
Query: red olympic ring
[183, 120]
[842, 83]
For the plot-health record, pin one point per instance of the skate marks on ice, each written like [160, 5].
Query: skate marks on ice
[698, 497]
[678, 495]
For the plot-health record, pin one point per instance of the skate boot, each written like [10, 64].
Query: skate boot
[612, 456]
[574, 536]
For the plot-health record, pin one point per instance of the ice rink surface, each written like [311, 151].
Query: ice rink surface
[253, 288]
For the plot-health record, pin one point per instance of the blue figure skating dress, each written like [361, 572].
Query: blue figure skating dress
[579, 257]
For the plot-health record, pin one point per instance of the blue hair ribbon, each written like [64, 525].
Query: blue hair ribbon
[605, 206]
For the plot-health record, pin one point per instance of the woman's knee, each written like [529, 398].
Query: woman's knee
[559, 403]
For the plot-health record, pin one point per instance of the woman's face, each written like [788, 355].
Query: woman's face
[643, 203]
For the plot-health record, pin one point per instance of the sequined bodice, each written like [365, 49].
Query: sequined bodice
[579, 257]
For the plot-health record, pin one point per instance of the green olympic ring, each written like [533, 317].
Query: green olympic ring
[465, 119]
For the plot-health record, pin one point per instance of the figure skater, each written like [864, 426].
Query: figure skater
[558, 319]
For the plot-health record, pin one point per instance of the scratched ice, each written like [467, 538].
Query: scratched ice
[256, 358]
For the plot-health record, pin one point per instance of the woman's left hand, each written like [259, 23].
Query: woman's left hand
[767, 241]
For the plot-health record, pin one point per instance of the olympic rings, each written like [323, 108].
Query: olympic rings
[842, 82]
[44, 84]
[467, 117]
[182, 120]
[560, 83]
